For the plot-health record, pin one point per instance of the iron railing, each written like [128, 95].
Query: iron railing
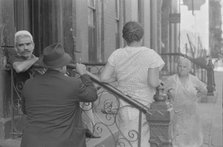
[105, 109]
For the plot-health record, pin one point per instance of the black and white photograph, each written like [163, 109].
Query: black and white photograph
[111, 73]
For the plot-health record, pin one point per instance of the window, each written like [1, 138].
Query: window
[117, 18]
[92, 31]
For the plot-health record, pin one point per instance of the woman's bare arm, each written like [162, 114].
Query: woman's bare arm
[107, 74]
[153, 77]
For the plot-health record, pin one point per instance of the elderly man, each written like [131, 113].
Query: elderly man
[23, 59]
[52, 103]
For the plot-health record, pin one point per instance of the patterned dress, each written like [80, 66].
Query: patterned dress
[131, 70]
[186, 123]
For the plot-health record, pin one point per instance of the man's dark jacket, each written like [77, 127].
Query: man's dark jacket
[53, 111]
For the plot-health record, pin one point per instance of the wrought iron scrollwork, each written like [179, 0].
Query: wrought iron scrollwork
[106, 111]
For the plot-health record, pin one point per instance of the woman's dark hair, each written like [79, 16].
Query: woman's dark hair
[132, 31]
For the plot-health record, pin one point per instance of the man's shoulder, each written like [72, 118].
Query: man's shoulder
[74, 79]
[68, 78]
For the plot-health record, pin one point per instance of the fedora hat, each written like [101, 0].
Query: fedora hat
[54, 56]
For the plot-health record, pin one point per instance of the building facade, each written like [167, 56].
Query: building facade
[90, 31]
[215, 28]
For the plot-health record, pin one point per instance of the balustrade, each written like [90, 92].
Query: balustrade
[105, 110]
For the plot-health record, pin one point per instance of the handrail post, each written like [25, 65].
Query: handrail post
[160, 123]
[210, 78]
[140, 128]
[159, 117]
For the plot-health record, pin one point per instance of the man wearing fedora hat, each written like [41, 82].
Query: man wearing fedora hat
[52, 103]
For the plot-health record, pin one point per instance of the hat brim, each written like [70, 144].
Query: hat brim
[60, 62]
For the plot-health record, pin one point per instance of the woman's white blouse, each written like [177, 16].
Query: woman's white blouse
[131, 66]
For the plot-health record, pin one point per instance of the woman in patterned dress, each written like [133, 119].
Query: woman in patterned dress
[136, 70]
[185, 90]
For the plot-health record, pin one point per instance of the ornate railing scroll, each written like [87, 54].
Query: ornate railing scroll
[106, 110]
[15, 103]
[159, 115]
[18, 119]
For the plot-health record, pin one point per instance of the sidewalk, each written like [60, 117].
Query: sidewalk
[211, 116]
